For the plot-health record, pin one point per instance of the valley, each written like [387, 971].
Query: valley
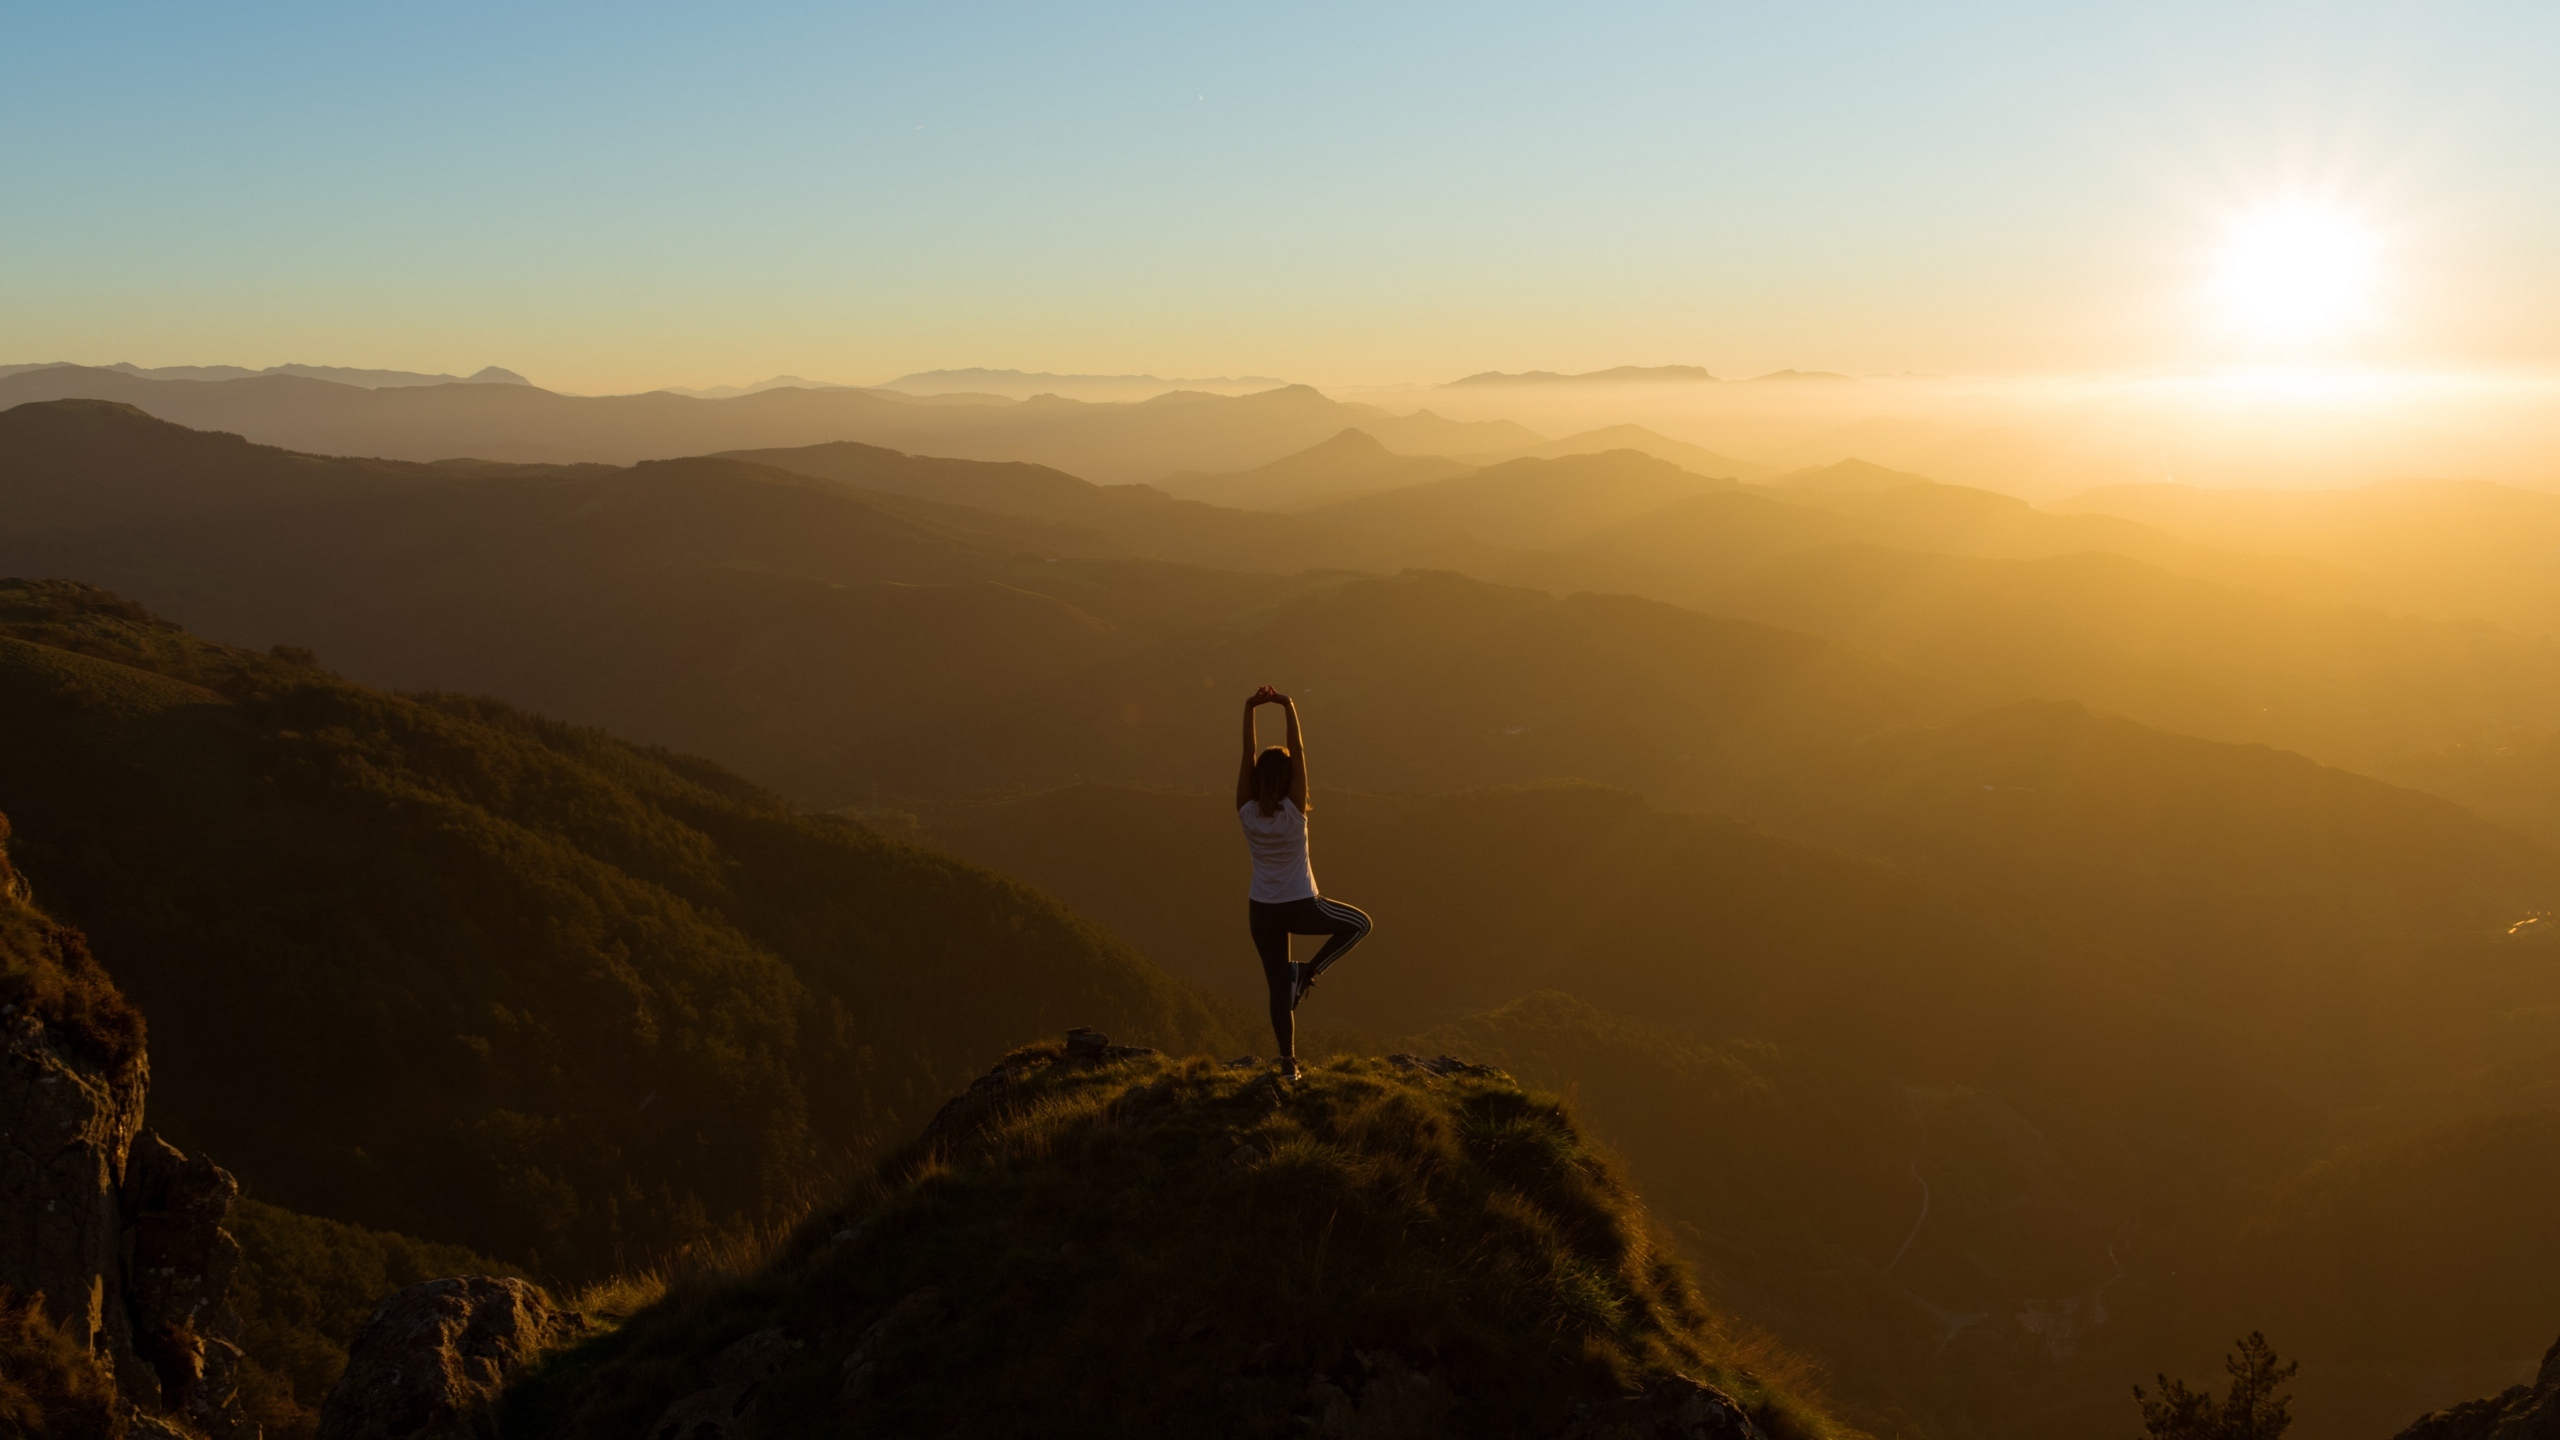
[2007, 947]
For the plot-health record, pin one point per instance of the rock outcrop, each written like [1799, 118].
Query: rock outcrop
[178, 1263]
[2523, 1412]
[430, 1360]
[119, 1232]
[69, 1127]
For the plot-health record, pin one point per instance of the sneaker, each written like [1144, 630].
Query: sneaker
[1301, 980]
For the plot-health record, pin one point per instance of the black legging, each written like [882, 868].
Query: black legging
[1343, 926]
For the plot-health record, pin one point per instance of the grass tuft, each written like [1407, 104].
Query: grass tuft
[51, 1387]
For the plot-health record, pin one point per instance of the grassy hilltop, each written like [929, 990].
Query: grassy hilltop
[1150, 1246]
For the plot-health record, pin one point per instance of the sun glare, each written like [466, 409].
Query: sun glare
[2296, 276]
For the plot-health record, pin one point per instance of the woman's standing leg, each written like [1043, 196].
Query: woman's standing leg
[1271, 941]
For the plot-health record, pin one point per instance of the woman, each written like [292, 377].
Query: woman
[1271, 800]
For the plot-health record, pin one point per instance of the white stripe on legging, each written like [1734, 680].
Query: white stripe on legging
[1347, 914]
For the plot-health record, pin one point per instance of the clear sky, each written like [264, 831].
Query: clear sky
[615, 196]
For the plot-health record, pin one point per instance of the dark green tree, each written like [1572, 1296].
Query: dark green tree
[2251, 1411]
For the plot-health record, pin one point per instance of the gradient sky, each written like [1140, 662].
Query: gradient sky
[626, 195]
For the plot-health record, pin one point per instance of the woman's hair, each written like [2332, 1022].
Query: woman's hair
[1272, 772]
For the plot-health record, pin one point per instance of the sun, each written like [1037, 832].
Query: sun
[2293, 276]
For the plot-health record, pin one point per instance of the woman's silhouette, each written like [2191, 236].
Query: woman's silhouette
[1271, 800]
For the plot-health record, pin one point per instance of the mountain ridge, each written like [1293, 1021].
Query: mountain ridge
[1620, 374]
[525, 424]
[338, 374]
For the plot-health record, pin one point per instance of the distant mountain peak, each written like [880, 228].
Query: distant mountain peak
[979, 374]
[1351, 442]
[1852, 474]
[1616, 375]
[732, 392]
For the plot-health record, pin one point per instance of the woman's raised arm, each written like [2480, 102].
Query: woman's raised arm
[1297, 756]
[1244, 767]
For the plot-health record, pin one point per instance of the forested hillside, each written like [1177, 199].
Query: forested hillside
[438, 966]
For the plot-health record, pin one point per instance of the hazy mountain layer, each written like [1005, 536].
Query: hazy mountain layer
[849, 607]
[1617, 375]
[1354, 464]
[2452, 549]
[1112, 442]
[1846, 477]
[2345, 684]
[828, 639]
[1140, 519]
[1524, 503]
[1690, 457]
[1351, 463]
[1022, 385]
[337, 374]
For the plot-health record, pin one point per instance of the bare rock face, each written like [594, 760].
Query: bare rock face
[2523, 1412]
[118, 1230]
[1674, 1407]
[68, 1127]
[430, 1359]
[178, 1264]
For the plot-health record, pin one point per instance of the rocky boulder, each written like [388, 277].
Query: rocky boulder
[430, 1360]
[2523, 1412]
[178, 1262]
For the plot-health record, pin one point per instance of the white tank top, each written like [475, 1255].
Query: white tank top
[1279, 845]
